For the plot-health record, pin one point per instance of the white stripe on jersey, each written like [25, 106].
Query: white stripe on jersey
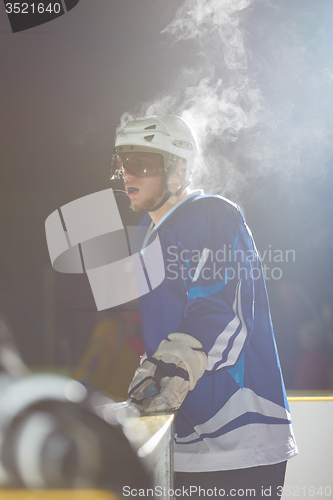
[244, 400]
[221, 343]
[201, 263]
[248, 446]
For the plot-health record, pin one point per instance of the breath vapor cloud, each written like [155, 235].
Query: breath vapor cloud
[256, 97]
[215, 97]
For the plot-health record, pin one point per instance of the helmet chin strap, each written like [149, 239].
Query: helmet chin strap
[168, 194]
[161, 203]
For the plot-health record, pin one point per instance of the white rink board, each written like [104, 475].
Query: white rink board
[310, 473]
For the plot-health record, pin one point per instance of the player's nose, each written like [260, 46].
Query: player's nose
[128, 176]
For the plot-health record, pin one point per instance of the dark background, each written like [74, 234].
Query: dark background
[66, 84]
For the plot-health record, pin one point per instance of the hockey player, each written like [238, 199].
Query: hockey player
[207, 329]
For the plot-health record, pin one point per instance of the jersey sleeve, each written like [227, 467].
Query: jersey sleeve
[218, 273]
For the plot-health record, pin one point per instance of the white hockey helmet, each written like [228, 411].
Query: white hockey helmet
[168, 135]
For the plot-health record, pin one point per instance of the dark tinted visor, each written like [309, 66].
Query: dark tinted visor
[138, 164]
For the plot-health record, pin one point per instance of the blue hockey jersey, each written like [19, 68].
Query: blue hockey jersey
[237, 415]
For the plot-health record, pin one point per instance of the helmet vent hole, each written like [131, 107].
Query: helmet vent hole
[151, 127]
[149, 138]
[183, 145]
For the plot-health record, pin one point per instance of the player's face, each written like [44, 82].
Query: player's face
[144, 179]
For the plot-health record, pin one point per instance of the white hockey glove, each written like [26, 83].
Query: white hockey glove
[161, 382]
[143, 358]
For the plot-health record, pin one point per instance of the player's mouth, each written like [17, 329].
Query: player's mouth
[132, 190]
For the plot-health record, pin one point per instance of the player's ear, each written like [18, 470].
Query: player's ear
[176, 179]
[180, 169]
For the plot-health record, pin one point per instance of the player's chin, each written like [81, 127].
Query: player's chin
[136, 207]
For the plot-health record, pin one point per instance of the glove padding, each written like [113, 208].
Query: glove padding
[161, 382]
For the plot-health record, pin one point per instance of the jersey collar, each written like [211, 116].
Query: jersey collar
[152, 228]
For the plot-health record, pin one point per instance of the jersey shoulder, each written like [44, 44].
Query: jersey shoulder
[204, 216]
[208, 209]
[214, 204]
